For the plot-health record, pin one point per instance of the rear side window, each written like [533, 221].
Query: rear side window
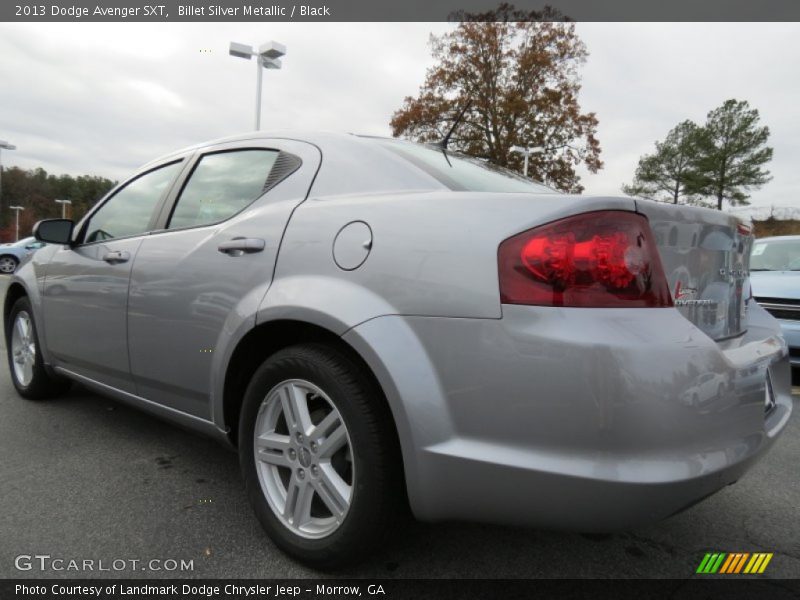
[463, 173]
[221, 185]
[128, 212]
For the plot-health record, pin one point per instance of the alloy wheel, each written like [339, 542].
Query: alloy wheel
[304, 458]
[23, 348]
[7, 265]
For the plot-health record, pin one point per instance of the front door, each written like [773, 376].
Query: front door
[86, 286]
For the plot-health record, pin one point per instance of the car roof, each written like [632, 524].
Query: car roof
[372, 166]
[321, 139]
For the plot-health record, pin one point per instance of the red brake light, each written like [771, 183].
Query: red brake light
[600, 259]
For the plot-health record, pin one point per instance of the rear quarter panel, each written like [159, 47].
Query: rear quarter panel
[433, 253]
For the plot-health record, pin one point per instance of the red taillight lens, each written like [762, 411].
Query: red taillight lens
[601, 259]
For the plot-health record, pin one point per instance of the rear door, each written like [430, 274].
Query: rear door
[210, 263]
[85, 291]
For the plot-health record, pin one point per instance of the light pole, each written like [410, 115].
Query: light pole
[526, 152]
[63, 204]
[267, 57]
[4, 146]
[17, 209]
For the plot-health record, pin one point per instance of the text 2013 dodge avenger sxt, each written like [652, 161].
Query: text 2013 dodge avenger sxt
[373, 322]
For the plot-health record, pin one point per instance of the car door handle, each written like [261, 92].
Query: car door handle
[239, 246]
[115, 256]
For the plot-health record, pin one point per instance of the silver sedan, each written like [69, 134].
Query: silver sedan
[377, 325]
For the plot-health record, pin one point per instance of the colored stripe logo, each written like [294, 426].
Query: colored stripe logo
[734, 563]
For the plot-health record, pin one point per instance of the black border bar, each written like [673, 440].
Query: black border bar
[390, 10]
[730, 588]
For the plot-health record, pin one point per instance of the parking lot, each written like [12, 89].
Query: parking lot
[84, 477]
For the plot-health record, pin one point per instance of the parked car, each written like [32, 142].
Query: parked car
[374, 323]
[12, 254]
[709, 387]
[775, 277]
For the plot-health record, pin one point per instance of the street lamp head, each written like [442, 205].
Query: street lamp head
[271, 63]
[528, 150]
[7, 146]
[17, 207]
[241, 50]
[272, 50]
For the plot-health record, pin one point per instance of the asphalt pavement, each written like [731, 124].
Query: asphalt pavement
[85, 478]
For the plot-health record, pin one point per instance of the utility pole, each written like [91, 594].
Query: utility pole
[4, 146]
[267, 57]
[17, 209]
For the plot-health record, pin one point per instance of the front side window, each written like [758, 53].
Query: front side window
[129, 211]
[221, 185]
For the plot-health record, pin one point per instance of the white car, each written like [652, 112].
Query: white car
[12, 254]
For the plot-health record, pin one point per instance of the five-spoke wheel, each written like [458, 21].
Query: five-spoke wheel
[304, 458]
[320, 455]
[28, 372]
[8, 264]
[23, 347]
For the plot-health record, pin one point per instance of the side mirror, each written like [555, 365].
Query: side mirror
[54, 231]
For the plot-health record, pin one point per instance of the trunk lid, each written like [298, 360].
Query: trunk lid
[706, 258]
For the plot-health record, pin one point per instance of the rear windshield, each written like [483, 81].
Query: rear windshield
[775, 255]
[463, 173]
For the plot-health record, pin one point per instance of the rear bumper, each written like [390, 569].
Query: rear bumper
[586, 419]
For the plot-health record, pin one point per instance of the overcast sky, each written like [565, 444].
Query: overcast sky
[97, 98]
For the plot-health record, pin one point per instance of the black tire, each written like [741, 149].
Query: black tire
[378, 494]
[43, 384]
[15, 261]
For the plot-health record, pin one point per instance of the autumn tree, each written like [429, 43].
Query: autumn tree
[36, 191]
[732, 149]
[665, 175]
[517, 72]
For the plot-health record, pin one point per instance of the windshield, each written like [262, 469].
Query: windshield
[776, 255]
[463, 173]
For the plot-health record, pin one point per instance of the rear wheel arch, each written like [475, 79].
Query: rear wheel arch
[268, 338]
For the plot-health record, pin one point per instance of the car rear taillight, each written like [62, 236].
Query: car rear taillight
[600, 259]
